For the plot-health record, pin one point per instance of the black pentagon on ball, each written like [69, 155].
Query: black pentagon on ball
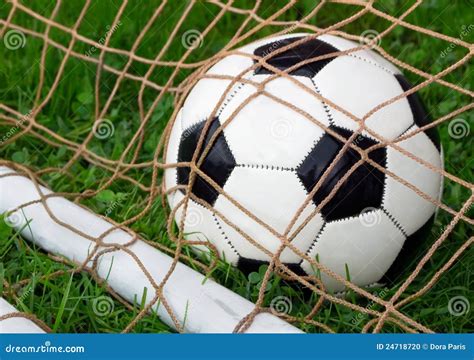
[286, 59]
[362, 189]
[218, 163]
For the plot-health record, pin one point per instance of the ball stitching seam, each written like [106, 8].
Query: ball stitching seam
[224, 234]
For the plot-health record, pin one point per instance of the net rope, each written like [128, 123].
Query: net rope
[249, 24]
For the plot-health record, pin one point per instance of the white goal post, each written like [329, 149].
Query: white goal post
[200, 305]
[16, 324]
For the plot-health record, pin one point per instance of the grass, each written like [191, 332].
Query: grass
[67, 302]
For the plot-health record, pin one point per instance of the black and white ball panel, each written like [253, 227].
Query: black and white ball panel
[357, 87]
[217, 163]
[291, 58]
[366, 55]
[362, 189]
[269, 157]
[268, 45]
[403, 203]
[208, 92]
[280, 136]
[195, 109]
[420, 116]
[198, 218]
[373, 80]
[357, 243]
[281, 191]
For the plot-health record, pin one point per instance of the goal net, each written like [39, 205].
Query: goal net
[88, 107]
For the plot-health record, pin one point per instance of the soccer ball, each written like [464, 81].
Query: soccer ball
[270, 148]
